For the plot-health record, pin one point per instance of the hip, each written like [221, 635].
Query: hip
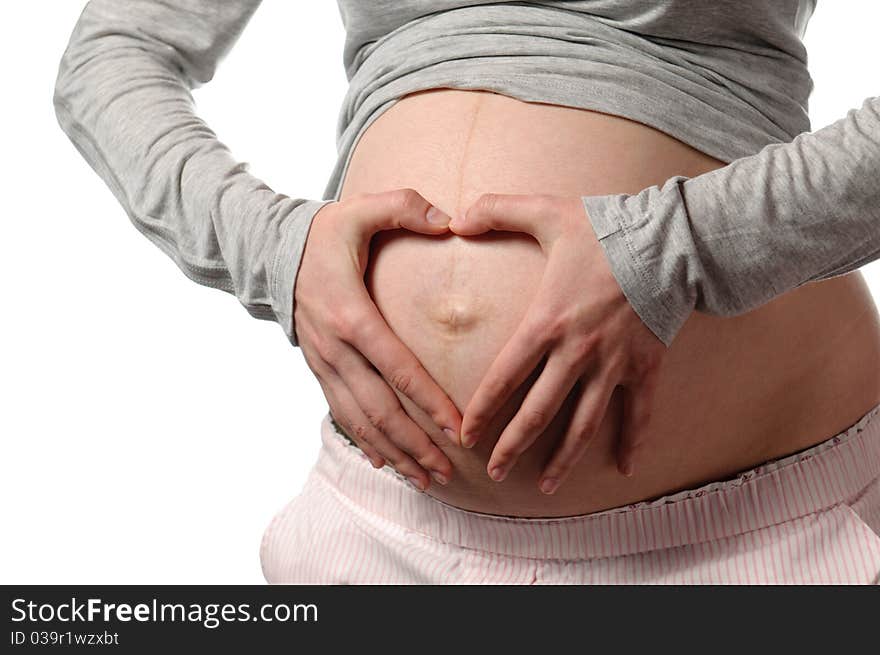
[813, 517]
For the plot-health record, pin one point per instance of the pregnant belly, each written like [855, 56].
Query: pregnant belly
[733, 392]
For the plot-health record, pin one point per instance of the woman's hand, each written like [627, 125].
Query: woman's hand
[356, 357]
[582, 322]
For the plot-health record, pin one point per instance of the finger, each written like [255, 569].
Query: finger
[589, 410]
[517, 360]
[540, 406]
[328, 379]
[390, 210]
[360, 427]
[323, 372]
[370, 335]
[340, 415]
[638, 401]
[529, 213]
[383, 410]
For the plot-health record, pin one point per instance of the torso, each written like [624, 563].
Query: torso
[734, 392]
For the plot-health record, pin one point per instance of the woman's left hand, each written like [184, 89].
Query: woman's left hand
[582, 322]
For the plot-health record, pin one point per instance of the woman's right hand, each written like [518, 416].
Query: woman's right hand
[355, 355]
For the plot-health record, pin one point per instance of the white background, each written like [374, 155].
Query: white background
[149, 426]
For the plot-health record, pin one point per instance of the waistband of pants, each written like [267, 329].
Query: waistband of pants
[812, 480]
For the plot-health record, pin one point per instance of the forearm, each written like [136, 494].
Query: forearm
[730, 240]
[123, 96]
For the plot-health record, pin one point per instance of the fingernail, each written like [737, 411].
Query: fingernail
[468, 440]
[436, 217]
[628, 469]
[378, 463]
[549, 485]
[439, 477]
[416, 483]
[451, 434]
[496, 473]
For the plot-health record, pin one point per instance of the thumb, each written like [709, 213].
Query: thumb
[400, 208]
[510, 212]
[433, 221]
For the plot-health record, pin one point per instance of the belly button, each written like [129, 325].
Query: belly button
[456, 315]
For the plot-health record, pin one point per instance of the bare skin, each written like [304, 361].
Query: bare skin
[358, 361]
[729, 393]
[579, 326]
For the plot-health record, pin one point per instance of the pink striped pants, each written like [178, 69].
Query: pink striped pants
[812, 517]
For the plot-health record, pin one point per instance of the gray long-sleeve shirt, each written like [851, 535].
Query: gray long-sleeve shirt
[727, 77]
